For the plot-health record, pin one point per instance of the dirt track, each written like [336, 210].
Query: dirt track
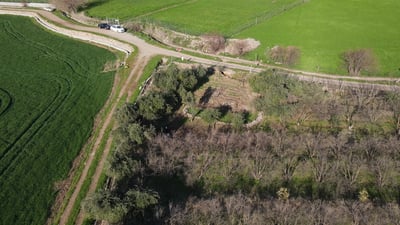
[145, 52]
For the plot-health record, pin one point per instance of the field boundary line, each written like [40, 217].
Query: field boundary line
[267, 16]
[166, 8]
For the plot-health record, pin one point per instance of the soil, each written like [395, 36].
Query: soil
[229, 88]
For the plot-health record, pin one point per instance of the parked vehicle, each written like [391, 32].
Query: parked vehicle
[117, 28]
[104, 26]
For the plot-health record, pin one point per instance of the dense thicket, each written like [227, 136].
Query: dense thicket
[132, 196]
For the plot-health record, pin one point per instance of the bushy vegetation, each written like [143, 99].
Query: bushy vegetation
[138, 123]
[46, 85]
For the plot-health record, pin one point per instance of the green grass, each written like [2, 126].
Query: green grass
[127, 9]
[52, 87]
[222, 16]
[323, 29]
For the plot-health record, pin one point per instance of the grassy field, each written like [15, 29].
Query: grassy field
[198, 16]
[51, 88]
[223, 16]
[323, 29]
[126, 9]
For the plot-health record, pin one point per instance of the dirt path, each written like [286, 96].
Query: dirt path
[146, 50]
[130, 84]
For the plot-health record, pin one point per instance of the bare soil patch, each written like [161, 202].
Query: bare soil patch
[228, 88]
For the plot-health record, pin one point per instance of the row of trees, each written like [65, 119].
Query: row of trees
[360, 108]
[312, 165]
[241, 209]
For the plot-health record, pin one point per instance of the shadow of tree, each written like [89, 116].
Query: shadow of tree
[207, 95]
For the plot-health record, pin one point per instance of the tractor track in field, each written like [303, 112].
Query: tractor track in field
[34, 127]
[8, 104]
[123, 42]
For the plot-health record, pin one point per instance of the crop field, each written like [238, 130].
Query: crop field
[223, 16]
[127, 9]
[51, 88]
[323, 29]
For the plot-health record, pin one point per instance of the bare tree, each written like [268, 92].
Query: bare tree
[349, 167]
[393, 99]
[240, 47]
[317, 152]
[359, 60]
[382, 169]
[292, 55]
[285, 55]
[214, 42]
[68, 5]
[134, 26]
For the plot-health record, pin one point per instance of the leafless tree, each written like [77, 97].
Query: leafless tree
[337, 145]
[285, 55]
[302, 113]
[134, 26]
[214, 42]
[359, 60]
[240, 47]
[359, 212]
[349, 167]
[382, 169]
[393, 99]
[317, 152]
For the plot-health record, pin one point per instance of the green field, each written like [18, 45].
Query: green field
[222, 16]
[127, 9]
[51, 88]
[323, 29]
